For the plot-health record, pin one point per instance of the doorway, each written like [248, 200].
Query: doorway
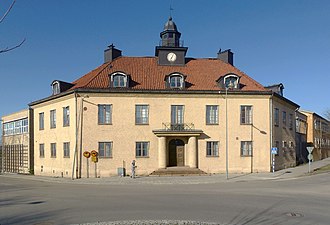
[176, 152]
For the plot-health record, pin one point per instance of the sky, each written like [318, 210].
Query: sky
[274, 41]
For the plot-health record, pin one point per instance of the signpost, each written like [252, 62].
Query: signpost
[310, 157]
[274, 151]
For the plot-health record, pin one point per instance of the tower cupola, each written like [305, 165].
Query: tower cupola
[170, 35]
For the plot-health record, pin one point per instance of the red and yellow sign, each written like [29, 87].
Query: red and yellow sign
[87, 154]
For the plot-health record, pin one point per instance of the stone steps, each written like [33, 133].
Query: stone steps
[178, 171]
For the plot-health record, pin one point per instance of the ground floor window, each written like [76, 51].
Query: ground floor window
[141, 149]
[246, 148]
[53, 150]
[105, 149]
[212, 148]
[41, 150]
[66, 149]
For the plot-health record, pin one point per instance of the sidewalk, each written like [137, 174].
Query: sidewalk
[290, 173]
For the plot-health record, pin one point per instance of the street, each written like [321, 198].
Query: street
[304, 200]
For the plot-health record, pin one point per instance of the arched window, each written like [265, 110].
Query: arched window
[176, 81]
[56, 87]
[231, 81]
[119, 80]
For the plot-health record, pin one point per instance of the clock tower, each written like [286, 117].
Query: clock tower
[171, 50]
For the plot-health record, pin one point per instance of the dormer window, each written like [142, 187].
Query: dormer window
[119, 80]
[231, 81]
[56, 88]
[176, 81]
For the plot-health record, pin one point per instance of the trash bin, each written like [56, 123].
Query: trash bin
[121, 172]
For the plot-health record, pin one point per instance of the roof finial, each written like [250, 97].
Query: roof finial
[171, 9]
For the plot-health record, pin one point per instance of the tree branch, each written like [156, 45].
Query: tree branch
[12, 48]
[6, 13]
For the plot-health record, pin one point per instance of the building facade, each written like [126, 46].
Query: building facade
[164, 111]
[318, 134]
[301, 138]
[17, 153]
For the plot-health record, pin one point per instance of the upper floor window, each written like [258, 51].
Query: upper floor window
[284, 118]
[41, 121]
[119, 80]
[176, 81]
[66, 116]
[276, 117]
[16, 127]
[56, 88]
[105, 114]
[212, 114]
[290, 121]
[53, 118]
[246, 114]
[141, 114]
[231, 81]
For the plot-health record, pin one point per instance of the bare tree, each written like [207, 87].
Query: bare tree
[7, 49]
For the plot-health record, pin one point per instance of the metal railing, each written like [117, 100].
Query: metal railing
[178, 126]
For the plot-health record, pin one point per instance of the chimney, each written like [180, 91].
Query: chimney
[111, 53]
[226, 56]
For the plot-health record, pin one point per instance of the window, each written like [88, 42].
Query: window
[177, 112]
[41, 121]
[141, 149]
[25, 126]
[141, 114]
[231, 81]
[246, 148]
[56, 88]
[246, 114]
[119, 80]
[290, 121]
[284, 144]
[176, 81]
[291, 144]
[212, 148]
[66, 116]
[284, 118]
[15, 127]
[66, 149]
[42, 150]
[212, 114]
[53, 118]
[53, 150]
[105, 149]
[276, 117]
[105, 114]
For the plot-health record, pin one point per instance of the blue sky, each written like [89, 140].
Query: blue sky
[274, 41]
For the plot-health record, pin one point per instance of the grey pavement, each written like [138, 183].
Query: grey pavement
[289, 173]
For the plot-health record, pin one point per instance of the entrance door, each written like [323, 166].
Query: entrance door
[176, 152]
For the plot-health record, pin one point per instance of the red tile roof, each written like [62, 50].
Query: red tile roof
[201, 74]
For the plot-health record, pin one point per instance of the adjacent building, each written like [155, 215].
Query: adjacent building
[168, 110]
[318, 134]
[17, 150]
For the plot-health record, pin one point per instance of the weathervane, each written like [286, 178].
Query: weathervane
[171, 9]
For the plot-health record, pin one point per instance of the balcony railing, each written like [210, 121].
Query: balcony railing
[178, 126]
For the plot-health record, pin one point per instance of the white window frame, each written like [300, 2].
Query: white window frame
[176, 81]
[142, 149]
[212, 114]
[229, 77]
[122, 82]
[246, 148]
[52, 118]
[141, 114]
[246, 114]
[66, 149]
[105, 149]
[66, 116]
[212, 148]
[104, 114]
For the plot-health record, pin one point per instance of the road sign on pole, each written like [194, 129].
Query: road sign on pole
[310, 149]
[310, 157]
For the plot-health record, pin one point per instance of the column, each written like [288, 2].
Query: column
[161, 152]
[192, 152]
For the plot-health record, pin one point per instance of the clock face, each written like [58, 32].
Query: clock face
[171, 57]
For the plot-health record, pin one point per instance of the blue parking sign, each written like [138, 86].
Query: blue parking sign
[274, 150]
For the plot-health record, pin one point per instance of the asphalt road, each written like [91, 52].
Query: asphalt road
[303, 201]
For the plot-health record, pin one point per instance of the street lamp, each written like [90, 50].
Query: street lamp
[229, 86]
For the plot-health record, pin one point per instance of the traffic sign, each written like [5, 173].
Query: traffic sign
[310, 149]
[274, 151]
[310, 157]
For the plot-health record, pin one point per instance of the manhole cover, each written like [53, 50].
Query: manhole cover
[294, 214]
